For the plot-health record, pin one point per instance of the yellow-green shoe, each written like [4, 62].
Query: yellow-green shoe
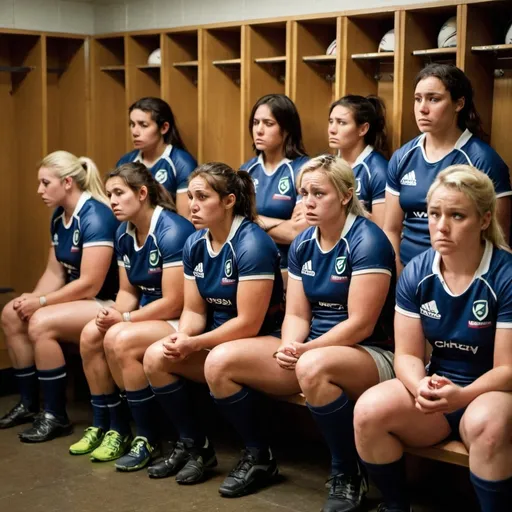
[91, 440]
[113, 446]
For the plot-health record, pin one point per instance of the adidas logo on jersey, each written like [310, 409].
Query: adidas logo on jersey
[430, 309]
[198, 271]
[307, 269]
[409, 179]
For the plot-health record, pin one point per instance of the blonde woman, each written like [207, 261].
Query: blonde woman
[335, 342]
[457, 295]
[79, 279]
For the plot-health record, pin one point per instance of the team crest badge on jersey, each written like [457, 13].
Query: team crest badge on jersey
[161, 176]
[480, 309]
[55, 239]
[126, 262]
[76, 239]
[153, 258]
[284, 185]
[340, 265]
[358, 186]
[228, 268]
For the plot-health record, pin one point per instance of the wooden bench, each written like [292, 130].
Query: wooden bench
[452, 452]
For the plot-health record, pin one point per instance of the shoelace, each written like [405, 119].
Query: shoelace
[243, 465]
[112, 441]
[90, 434]
[343, 487]
[137, 446]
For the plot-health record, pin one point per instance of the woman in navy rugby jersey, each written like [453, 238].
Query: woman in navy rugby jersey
[274, 125]
[158, 145]
[148, 245]
[458, 296]
[357, 129]
[450, 126]
[335, 341]
[230, 266]
[79, 279]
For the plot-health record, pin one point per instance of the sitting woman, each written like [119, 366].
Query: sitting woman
[80, 278]
[231, 265]
[149, 245]
[335, 341]
[457, 295]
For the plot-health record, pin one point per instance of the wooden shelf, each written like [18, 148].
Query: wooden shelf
[186, 64]
[501, 50]
[271, 60]
[435, 51]
[374, 56]
[227, 62]
[17, 69]
[108, 69]
[320, 59]
[149, 66]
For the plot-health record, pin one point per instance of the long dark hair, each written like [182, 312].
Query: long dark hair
[161, 113]
[224, 180]
[136, 175]
[287, 117]
[371, 110]
[459, 86]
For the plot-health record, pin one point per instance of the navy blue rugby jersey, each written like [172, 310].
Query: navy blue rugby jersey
[163, 248]
[410, 175]
[461, 328]
[92, 224]
[171, 170]
[248, 254]
[370, 170]
[276, 192]
[363, 248]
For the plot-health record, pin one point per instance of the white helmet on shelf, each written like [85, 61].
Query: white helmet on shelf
[387, 43]
[447, 37]
[155, 58]
[331, 49]
[508, 37]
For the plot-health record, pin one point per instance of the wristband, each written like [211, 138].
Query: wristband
[42, 301]
[127, 317]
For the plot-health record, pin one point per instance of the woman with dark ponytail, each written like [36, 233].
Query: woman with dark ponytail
[158, 145]
[233, 290]
[446, 115]
[148, 245]
[357, 129]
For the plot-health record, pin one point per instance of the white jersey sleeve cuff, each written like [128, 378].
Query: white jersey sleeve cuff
[181, 190]
[120, 263]
[101, 243]
[392, 191]
[372, 271]
[190, 278]
[503, 325]
[504, 194]
[266, 277]
[173, 264]
[404, 312]
[293, 276]
[379, 201]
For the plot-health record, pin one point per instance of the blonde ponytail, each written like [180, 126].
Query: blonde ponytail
[83, 171]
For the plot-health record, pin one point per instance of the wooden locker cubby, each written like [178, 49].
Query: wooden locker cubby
[266, 64]
[315, 77]
[180, 83]
[142, 78]
[365, 70]
[67, 89]
[220, 95]
[110, 137]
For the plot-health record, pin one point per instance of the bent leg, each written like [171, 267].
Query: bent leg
[486, 430]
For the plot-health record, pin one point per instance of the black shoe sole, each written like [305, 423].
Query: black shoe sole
[61, 432]
[28, 419]
[212, 463]
[254, 486]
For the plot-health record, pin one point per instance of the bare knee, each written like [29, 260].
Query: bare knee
[310, 370]
[372, 411]
[153, 360]
[91, 341]
[38, 326]
[11, 322]
[217, 364]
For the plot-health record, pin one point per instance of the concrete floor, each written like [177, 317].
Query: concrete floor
[44, 477]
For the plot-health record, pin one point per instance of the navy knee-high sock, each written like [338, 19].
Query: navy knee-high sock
[336, 422]
[100, 416]
[175, 400]
[244, 411]
[141, 403]
[53, 385]
[28, 386]
[493, 495]
[391, 481]
[119, 414]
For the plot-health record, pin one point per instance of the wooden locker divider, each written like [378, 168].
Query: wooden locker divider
[365, 70]
[180, 53]
[314, 78]
[220, 95]
[67, 91]
[266, 62]
[109, 117]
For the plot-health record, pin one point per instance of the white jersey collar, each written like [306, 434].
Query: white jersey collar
[237, 222]
[132, 231]
[85, 196]
[262, 163]
[461, 141]
[166, 154]
[349, 222]
[363, 155]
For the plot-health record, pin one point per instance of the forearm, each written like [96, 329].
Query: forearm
[48, 283]
[497, 379]
[160, 309]
[394, 238]
[126, 301]
[192, 323]
[79, 289]
[287, 231]
[410, 370]
[295, 328]
[233, 329]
